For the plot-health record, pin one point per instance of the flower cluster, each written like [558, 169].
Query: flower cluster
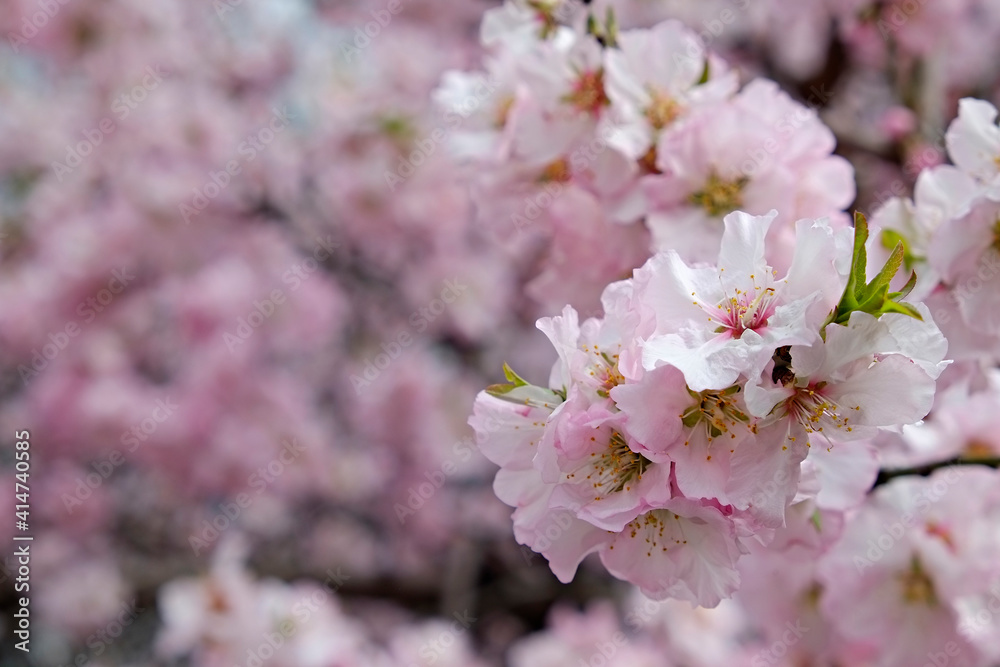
[613, 143]
[674, 428]
[950, 230]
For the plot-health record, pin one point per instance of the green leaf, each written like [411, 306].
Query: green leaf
[704, 74]
[519, 391]
[888, 271]
[611, 33]
[890, 237]
[859, 262]
[499, 390]
[872, 297]
[873, 301]
[907, 288]
[898, 307]
[511, 376]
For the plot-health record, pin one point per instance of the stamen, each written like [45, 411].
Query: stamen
[651, 526]
[917, 586]
[813, 410]
[662, 110]
[556, 171]
[615, 469]
[605, 371]
[717, 410]
[720, 197]
[588, 93]
[503, 112]
[746, 310]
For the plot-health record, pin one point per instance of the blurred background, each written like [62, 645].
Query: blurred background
[246, 356]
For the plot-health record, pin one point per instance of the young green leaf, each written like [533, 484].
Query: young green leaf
[872, 297]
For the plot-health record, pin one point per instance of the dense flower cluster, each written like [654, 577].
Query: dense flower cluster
[675, 427]
[598, 139]
[727, 413]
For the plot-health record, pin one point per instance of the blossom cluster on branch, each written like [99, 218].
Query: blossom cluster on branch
[728, 409]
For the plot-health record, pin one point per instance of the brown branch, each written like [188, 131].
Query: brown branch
[886, 475]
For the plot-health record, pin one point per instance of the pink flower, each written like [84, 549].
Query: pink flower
[974, 143]
[852, 384]
[715, 323]
[654, 81]
[940, 195]
[917, 548]
[966, 252]
[756, 152]
[686, 550]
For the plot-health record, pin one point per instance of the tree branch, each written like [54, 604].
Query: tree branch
[886, 475]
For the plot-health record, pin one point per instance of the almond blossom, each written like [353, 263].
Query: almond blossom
[665, 451]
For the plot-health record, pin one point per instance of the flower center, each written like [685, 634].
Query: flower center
[604, 370]
[718, 410]
[996, 234]
[588, 92]
[648, 161]
[556, 171]
[746, 310]
[660, 529]
[616, 468]
[812, 595]
[977, 449]
[719, 196]
[917, 586]
[662, 110]
[815, 411]
[503, 112]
